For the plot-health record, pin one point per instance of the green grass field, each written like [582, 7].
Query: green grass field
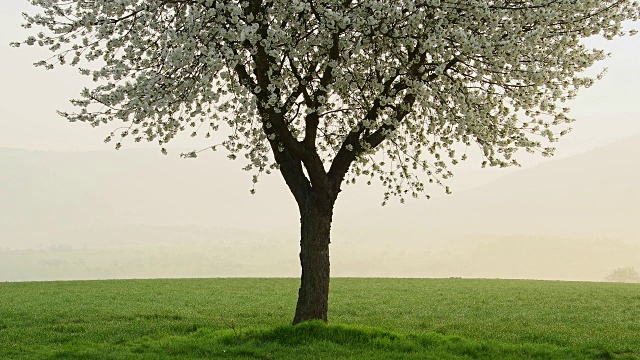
[368, 319]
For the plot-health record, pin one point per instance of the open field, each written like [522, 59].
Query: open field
[380, 319]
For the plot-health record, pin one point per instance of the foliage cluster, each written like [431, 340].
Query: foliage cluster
[329, 83]
[625, 274]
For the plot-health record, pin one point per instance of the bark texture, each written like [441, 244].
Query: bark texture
[315, 228]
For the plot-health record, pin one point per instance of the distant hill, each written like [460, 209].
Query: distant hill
[571, 218]
[52, 192]
[594, 195]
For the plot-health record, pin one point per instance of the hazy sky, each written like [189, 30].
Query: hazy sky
[30, 96]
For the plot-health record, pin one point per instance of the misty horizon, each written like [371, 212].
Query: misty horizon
[124, 230]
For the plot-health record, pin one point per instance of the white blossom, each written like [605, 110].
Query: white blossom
[402, 79]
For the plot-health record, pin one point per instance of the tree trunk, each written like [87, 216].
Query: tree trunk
[315, 228]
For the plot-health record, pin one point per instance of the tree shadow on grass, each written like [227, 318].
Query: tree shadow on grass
[318, 340]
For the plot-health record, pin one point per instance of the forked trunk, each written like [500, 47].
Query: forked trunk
[313, 295]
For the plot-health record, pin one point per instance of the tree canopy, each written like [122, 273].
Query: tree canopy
[330, 82]
[328, 90]
[625, 274]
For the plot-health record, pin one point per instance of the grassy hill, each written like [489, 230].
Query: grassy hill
[369, 319]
